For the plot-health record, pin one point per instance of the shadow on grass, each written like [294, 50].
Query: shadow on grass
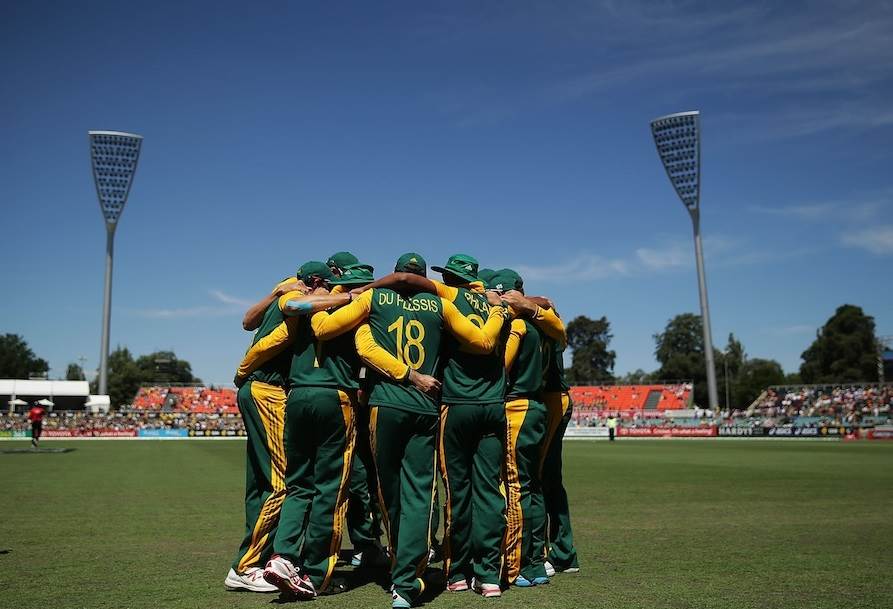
[35, 451]
[352, 579]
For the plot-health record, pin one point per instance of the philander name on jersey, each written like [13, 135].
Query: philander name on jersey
[422, 304]
[478, 304]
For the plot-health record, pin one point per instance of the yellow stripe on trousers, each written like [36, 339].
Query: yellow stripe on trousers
[420, 569]
[386, 520]
[556, 407]
[448, 511]
[348, 401]
[269, 400]
[515, 413]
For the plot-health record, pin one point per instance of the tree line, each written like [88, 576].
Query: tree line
[126, 373]
[844, 350]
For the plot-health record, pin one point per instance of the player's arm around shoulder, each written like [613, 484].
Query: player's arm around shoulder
[266, 349]
[473, 339]
[327, 326]
[513, 344]
[544, 318]
[389, 366]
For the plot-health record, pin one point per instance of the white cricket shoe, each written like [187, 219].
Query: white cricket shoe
[251, 580]
[288, 579]
[486, 590]
[550, 570]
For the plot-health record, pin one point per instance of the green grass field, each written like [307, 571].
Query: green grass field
[698, 524]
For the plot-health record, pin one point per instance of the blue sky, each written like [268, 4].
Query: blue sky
[277, 132]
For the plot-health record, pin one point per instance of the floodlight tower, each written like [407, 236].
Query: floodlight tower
[113, 155]
[678, 140]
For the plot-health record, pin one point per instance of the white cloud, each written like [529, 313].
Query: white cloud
[225, 305]
[672, 256]
[876, 239]
[230, 300]
[793, 330]
[585, 267]
[805, 212]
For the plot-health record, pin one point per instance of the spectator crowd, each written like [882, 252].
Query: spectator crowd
[213, 411]
[132, 420]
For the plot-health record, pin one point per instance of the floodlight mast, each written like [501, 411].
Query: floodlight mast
[678, 140]
[113, 157]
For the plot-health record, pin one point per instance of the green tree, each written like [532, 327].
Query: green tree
[729, 364]
[754, 376]
[792, 378]
[124, 377]
[163, 367]
[17, 360]
[126, 374]
[636, 377]
[680, 351]
[845, 349]
[592, 361]
[74, 373]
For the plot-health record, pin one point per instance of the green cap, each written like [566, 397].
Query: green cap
[355, 274]
[341, 260]
[505, 280]
[486, 275]
[314, 268]
[460, 265]
[411, 263]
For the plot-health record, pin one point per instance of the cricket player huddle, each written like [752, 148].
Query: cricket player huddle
[357, 388]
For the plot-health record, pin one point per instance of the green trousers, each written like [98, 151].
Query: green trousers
[560, 537]
[363, 524]
[319, 443]
[263, 412]
[525, 536]
[472, 448]
[404, 445]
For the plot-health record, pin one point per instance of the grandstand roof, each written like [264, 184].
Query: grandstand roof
[41, 388]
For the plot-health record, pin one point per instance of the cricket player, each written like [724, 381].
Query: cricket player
[403, 422]
[472, 442]
[562, 555]
[36, 415]
[525, 414]
[318, 439]
[339, 261]
[261, 401]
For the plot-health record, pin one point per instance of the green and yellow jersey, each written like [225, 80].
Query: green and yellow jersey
[408, 331]
[312, 362]
[525, 361]
[555, 380]
[470, 378]
[273, 369]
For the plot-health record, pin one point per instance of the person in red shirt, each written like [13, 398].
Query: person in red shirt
[35, 415]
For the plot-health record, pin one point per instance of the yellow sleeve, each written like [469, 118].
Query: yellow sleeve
[284, 282]
[549, 322]
[268, 347]
[327, 326]
[338, 289]
[283, 300]
[473, 339]
[519, 330]
[377, 357]
[444, 290]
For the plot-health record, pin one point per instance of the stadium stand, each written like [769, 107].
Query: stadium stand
[84, 423]
[814, 405]
[186, 399]
[594, 403]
